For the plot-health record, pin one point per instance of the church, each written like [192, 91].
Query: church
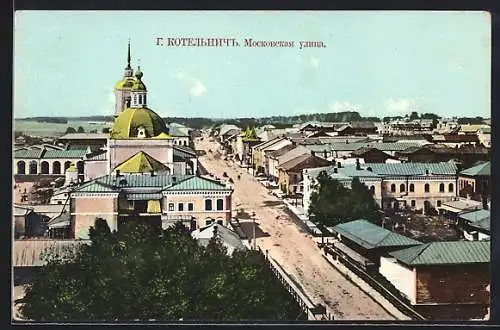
[141, 173]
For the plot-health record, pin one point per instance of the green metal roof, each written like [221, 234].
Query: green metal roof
[29, 154]
[370, 236]
[76, 153]
[182, 152]
[445, 253]
[475, 216]
[162, 181]
[443, 168]
[382, 146]
[198, 183]
[484, 223]
[478, 170]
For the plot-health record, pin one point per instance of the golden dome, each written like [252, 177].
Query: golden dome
[128, 123]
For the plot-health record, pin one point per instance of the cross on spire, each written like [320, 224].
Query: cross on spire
[128, 55]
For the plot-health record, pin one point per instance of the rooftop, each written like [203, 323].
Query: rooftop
[445, 253]
[370, 236]
[482, 169]
[84, 136]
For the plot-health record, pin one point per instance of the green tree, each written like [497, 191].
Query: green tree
[70, 130]
[80, 130]
[414, 115]
[332, 203]
[142, 272]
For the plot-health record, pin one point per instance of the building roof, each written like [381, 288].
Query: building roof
[443, 168]
[482, 169]
[483, 224]
[268, 143]
[128, 122]
[141, 162]
[445, 253]
[198, 183]
[225, 128]
[185, 151]
[27, 253]
[292, 153]
[303, 161]
[370, 236]
[45, 153]
[281, 151]
[158, 182]
[177, 131]
[21, 210]
[471, 128]
[475, 216]
[461, 204]
[230, 239]
[84, 136]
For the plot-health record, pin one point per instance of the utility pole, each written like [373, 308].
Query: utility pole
[253, 221]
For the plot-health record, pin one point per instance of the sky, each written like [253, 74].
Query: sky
[383, 63]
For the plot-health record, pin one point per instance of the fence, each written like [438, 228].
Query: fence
[311, 310]
[393, 297]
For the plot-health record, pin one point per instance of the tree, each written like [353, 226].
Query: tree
[142, 272]
[70, 130]
[106, 130]
[332, 203]
[80, 130]
[414, 115]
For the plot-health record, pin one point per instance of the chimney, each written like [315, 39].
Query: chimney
[335, 170]
[117, 173]
[369, 169]
[339, 164]
[358, 167]
[174, 179]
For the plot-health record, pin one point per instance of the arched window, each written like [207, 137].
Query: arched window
[33, 167]
[402, 187]
[56, 167]
[67, 164]
[144, 99]
[412, 187]
[220, 222]
[450, 187]
[372, 189]
[140, 98]
[21, 167]
[208, 222]
[441, 187]
[185, 143]
[44, 167]
[426, 188]
[393, 187]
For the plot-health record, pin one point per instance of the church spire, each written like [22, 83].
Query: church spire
[128, 69]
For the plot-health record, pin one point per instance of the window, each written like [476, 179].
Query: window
[144, 98]
[402, 187]
[220, 204]
[372, 189]
[190, 206]
[393, 187]
[441, 187]
[426, 188]
[413, 203]
[438, 203]
[450, 187]
[412, 187]
[170, 206]
[180, 207]
[219, 222]
[208, 222]
[208, 205]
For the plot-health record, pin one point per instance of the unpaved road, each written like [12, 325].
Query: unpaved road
[292, 248]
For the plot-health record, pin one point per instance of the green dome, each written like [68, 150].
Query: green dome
[138, 85]
[127, 124]
[125, 83]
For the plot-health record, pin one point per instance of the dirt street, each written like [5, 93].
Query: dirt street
[294, 249]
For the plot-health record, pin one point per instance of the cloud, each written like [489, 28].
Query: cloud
[400, 106]
[195, 85]
[341, 106]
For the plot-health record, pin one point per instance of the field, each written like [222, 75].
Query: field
[34, 128]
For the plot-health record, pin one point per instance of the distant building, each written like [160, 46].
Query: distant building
[475, 181]
[229, 239]
[442, 280]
